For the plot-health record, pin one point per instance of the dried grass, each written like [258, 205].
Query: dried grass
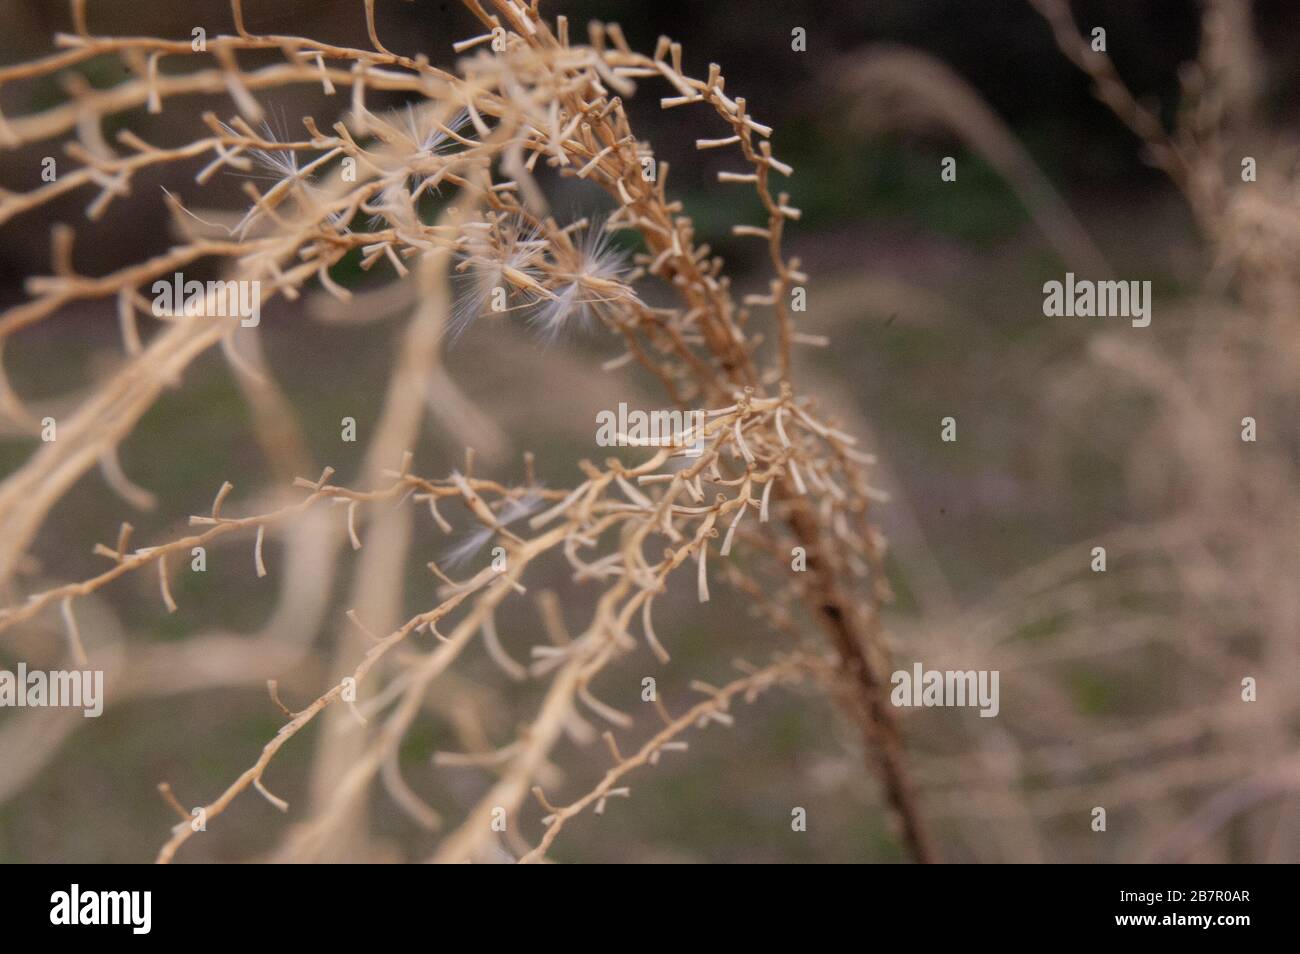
[524, 96]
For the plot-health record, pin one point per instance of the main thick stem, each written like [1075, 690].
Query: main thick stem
[861, 658]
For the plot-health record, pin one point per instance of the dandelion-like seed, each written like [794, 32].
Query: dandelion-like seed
[592, 281]
[503, 258]
[423, 143]
[432, 142]
[429, 137]
[512, 511]
[278, 166]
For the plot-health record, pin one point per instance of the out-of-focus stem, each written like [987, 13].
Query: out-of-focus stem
[857, 640]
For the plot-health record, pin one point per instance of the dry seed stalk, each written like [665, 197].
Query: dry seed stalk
[478, 134]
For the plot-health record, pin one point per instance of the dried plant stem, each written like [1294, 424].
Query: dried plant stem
[750, 686]
[858, 644]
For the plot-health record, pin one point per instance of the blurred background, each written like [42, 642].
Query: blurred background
[1120, 690]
